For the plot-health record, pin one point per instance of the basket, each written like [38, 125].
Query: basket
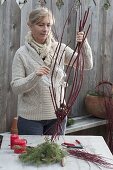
[99, 103]
[96, 105]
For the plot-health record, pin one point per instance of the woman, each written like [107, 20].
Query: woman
[31, 63]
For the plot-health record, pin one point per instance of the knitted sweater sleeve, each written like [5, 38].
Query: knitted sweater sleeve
[20, 82]
[86, 52]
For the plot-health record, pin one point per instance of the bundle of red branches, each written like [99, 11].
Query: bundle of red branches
[89, 157]
[68, 98]
[65, 106]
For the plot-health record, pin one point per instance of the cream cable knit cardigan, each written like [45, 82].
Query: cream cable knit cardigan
[34, 99]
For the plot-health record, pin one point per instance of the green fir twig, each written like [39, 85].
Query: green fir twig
[45, 153]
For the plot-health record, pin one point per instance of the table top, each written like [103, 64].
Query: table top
[93, 144]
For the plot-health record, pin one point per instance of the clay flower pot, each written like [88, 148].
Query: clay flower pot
[96, 105]
[14, 129]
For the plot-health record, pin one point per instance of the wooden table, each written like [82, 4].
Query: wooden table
[94, 144]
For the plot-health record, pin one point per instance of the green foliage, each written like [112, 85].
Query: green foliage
[70, 121]
[107, 5]
[99, 93]
[45, 153]
[96, 93]
[59, 3]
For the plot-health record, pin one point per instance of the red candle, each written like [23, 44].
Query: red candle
[13, 137]
[20, 146]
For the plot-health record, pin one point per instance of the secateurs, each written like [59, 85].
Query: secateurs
[76, 145]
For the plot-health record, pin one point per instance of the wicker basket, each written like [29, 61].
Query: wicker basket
[95, 105]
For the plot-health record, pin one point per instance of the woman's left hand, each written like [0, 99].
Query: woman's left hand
[80, 36]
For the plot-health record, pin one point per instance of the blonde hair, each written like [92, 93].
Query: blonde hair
[37, 15]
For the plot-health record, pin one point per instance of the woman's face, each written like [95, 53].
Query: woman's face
[41, 30]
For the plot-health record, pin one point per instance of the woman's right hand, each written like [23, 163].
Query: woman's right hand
[43, 70]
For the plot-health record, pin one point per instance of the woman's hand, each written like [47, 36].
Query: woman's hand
[43, 70]
[80, 36]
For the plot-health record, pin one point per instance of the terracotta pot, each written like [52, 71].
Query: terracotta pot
[95, 105]
[14, 129]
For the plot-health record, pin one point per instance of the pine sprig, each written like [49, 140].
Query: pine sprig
[45, 153]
